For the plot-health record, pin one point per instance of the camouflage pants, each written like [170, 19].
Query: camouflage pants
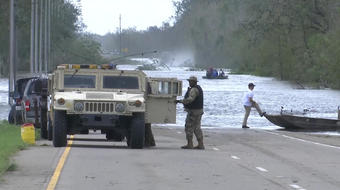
[193, 125]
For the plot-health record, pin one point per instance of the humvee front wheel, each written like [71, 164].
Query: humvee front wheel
[59, 129]
[137, 131]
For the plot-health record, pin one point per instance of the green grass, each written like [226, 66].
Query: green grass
[12, 167]
[10, 142]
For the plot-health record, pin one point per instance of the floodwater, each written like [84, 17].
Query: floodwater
[4, 107]
[223, 106]
[223, 99]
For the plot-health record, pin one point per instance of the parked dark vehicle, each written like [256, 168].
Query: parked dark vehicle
[34, 104]
[15, 114]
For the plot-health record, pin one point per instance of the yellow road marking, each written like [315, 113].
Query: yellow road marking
[57, 171]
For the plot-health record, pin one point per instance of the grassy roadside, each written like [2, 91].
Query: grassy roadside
[10, 142]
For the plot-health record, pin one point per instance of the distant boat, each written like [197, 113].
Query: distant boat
[293, 122]
[218, 77]
[212, 73]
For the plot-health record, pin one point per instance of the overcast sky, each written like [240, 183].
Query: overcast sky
[102, 16]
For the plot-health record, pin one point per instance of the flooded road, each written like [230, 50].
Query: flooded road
[223, 99]
[258, 158]
[223, 106]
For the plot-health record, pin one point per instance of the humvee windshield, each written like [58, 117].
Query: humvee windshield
[79, 81]
[120, 82]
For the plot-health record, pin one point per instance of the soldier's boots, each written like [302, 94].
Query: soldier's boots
[189, 145]
[200, 145]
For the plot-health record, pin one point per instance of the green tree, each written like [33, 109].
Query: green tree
[69, 43]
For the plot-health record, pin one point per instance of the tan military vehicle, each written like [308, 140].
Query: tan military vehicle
[118, 102]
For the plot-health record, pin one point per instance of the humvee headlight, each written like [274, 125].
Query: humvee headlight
[78, 106]
[61, 101]
[138, 103]
[119, 107]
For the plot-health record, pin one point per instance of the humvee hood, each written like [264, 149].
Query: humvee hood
[99, 96]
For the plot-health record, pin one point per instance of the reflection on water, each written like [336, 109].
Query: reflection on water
[223, 99]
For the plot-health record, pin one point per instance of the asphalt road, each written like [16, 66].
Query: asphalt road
[233, 159]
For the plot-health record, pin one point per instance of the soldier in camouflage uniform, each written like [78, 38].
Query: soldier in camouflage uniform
[193, 104]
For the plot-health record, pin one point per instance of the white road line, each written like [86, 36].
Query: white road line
[297, 187]
[179, 132]
[261, 169]
[216, 149]
[235, 157]
[302, 140]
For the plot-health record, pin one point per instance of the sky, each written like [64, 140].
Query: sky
[102, 16]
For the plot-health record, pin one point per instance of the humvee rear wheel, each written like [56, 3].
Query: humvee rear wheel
[59, 129]
[49, 129]
[137, 131]
[43, 123]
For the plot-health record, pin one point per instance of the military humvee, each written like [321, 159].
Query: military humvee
[118, 102]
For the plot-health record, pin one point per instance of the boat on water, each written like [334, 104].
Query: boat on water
[293, 122]
[214, 74]
[218, 77]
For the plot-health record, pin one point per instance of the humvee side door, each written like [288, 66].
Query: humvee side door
[160, 100]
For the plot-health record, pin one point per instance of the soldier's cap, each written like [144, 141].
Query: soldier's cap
[192, 78]
[251, 84]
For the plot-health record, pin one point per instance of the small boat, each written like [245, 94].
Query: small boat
[218, 77]
[212, 73]
[293, 122]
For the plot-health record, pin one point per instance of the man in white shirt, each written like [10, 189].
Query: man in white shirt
[248, 103]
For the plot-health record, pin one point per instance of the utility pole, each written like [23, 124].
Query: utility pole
[32, 36]
[36, 33]
[41, 45]
[120, 34]
[45, 40]
[12, 53]
[51, 13]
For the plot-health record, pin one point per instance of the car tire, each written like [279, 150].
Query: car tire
[11, 115]
[43, 123]
[49, 129]
[19, 117]
[59, 129]
[137, 131]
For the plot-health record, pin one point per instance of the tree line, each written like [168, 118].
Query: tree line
[69, 44]
[289, 39]
[295, 40]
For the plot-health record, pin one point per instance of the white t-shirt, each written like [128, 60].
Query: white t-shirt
[246, 98]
